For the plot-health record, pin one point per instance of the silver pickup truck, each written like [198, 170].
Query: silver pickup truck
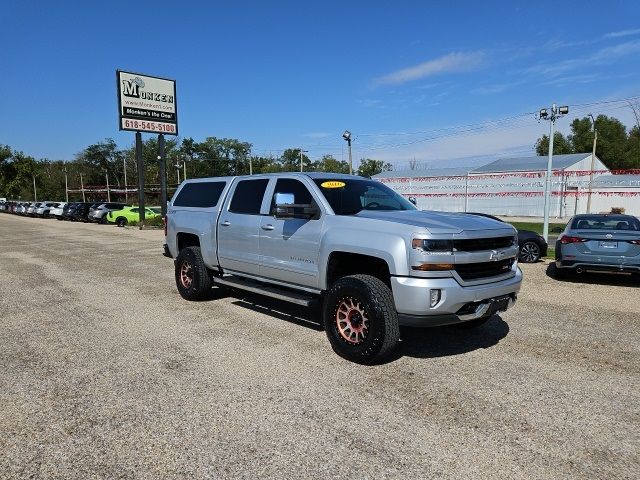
[351, 244]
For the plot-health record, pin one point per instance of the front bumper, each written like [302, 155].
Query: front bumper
[457, 303]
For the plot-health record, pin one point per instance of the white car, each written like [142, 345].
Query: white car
[99, 213]
[56, 211]
[44, 209]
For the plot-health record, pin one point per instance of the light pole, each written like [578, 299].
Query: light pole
[124, 166]
[66, 185]
[556, 112]
[35, 192]
[301, 152]
[347, 136]
[593, 162]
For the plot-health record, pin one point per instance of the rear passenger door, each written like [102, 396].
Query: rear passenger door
[239, 226]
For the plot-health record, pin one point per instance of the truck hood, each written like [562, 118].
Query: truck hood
[437, 222]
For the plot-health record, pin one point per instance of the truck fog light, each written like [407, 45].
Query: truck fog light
[434, 297]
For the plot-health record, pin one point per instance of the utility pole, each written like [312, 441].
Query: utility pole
[556, 112]
[82, 189]
[347, 136]
[593, 162]
[163, 176]
[106, 175]
[301, 152]
[124, 166]
[66, 185]
[35, 192]
[466, 193]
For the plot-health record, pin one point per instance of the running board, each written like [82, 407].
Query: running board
[262, 289]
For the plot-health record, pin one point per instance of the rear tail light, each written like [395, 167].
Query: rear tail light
[635, 242]
[569, 239]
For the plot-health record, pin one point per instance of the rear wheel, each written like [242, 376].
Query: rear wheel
[121, 221]
[360, 319]
[560, 273]
[529, 252]
[192, 276]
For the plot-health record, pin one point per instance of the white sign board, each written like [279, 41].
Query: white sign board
[147, 104]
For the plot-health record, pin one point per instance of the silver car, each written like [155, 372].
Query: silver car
[44, 209]
[601, 242]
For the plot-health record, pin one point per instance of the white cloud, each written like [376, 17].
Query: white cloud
[450, 63]
[622, 33]
[317, 135]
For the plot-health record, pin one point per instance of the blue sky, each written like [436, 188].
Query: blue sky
[404, 77]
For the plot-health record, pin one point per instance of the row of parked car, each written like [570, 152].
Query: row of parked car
[101, 212]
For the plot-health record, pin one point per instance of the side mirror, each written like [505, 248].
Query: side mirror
[285, 207]
[413, 200]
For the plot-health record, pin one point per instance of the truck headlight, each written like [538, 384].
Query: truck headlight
[432, 246]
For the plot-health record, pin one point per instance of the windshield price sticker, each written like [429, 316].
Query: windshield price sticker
[333, 184]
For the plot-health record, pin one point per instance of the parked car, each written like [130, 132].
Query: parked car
[129, 214]
[599, 242]
[532, 246]
[98, 214]
[31, 209]
[57, 209]
[81, 212]
[44, 209]
[68, 211]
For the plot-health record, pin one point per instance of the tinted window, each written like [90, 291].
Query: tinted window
[247, 197]
[301, 194]
[199, 194]
[348, 197]
[595, 222]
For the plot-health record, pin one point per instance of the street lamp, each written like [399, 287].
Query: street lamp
[555, 113]
[593, 162]
[347, 136]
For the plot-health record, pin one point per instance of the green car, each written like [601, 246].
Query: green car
[129, 214]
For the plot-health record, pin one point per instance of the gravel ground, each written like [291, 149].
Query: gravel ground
[105, 372]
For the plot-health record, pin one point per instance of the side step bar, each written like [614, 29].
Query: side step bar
[267, 290]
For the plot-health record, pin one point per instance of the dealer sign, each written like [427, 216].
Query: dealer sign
[147, 104]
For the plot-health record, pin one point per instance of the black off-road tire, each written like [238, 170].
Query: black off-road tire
[190, 264]
[375, 299]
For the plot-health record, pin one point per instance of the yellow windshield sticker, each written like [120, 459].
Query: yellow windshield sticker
[332, 184]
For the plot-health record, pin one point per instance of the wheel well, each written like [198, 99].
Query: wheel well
[185, 240]
[342, 264]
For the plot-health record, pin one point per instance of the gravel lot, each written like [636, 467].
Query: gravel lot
[106, 372]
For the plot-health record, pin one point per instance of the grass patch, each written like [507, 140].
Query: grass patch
[537, 227]
[551, 253]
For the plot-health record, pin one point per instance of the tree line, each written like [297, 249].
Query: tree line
[104, 160]
[615, 147]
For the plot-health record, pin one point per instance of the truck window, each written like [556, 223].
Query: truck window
[247, 197]
[300, 193]
[199, 194]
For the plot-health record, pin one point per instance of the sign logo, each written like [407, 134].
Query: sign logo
[332, 184]
[608, 235]
[147, 104]
[496, 255]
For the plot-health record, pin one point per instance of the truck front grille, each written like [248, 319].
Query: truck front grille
[475, 244]
[474, 271]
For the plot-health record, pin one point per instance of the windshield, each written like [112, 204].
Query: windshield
[596, 222]
[348, 197]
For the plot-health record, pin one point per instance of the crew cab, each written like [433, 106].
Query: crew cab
[361, 251]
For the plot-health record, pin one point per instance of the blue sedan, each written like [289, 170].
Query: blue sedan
[603, 242]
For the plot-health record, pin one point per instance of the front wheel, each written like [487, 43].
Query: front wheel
[529, 252]
[192, 276]
[360, 319]
[121, 221]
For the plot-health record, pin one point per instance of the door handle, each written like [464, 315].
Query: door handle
[268, 227]
[226, 223]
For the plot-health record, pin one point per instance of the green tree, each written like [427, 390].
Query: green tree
[290, 160]
[560, 145]
[330, 164]
[612, 143]
[225, 156]
[369, 167]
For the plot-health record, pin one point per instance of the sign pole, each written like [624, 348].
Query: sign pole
[163, 176]
[140, 179]
[106, 175]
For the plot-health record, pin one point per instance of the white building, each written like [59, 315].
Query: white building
[515, 187]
